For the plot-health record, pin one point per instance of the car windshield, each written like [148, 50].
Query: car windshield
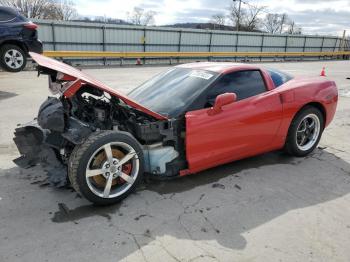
[169, 92]
[278, 77]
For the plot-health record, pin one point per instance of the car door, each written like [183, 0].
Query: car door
[245, 127]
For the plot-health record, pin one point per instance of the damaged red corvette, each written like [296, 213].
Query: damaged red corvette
[187, 119]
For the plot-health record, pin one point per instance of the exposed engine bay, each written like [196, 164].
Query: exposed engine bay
[65, 122]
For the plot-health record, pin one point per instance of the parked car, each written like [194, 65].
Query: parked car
[18, 36]
[187, 119]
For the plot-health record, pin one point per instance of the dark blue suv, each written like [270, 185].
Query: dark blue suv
[18, 36]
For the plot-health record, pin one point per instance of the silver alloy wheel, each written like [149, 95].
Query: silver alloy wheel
[13, 58]
[307, 132]
[111, 169]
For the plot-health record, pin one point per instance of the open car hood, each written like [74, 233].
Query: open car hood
[57, 66]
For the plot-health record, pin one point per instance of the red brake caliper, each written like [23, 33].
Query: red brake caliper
[127, 170]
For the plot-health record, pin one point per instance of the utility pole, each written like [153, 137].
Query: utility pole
[239, 13]
[342, 43]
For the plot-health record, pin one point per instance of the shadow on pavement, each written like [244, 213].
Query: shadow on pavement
[219, 204]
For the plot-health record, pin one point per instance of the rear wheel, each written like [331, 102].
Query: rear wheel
[107, 167]
[305, 132]
[12, 58]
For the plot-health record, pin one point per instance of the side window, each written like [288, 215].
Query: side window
[6, 16]
[243, 83]
[278, 77]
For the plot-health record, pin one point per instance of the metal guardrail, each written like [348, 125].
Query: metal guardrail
[100, 54]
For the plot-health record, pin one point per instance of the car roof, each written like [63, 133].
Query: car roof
[9, 10]
[219, 67]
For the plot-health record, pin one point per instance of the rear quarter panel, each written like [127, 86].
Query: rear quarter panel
[301, 91]
[9, 31]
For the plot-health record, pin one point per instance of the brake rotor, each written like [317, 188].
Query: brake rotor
[98, 161]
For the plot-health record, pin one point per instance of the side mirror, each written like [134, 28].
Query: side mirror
[220, 101]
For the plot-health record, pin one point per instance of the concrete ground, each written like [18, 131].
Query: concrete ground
[266, 208]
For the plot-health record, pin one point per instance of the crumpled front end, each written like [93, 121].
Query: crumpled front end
[48, 140]
[30, 140]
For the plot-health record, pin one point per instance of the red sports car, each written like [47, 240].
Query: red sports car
[184, 120]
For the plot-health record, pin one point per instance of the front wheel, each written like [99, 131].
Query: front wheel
[12, 58]
[305, 132]
[107, 167]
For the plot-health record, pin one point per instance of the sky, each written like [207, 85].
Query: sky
[323, 17]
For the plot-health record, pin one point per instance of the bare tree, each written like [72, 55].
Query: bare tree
[65, 10]
[141, 17]
[283, 21]
[218, 19]
[135, 16]
[235, 14]
[247, 16]
[29, 8]
[148, 17]
[251, 20]
[272, 23]
[280, 23]
[43, 9]
[275, 23]
[293, 28]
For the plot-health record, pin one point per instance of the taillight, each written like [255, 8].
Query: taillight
[31, 26]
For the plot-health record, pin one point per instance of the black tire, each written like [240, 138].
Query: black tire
[16, 68]
[79, 160]
[291, 145]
